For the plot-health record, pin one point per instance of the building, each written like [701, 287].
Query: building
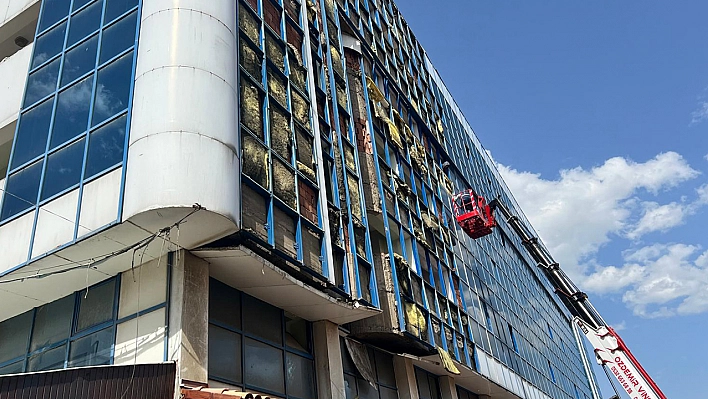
[259, 191]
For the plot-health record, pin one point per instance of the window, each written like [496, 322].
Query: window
[258, 347]
[356, 386]
[462, 393]
[77, 330]
[73, 121]
[428, 385]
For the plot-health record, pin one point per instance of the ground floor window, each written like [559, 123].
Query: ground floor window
[428, 385]
[379, 366]
[258, 347]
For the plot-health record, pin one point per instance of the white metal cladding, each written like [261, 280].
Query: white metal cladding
[184, 144]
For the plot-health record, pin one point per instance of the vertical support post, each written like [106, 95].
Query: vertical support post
[447, 387]
[328, 361]
[189, 317]
[405, 377]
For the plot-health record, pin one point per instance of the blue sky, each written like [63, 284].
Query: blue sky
[597, 113]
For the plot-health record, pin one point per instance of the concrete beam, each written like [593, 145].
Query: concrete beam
[405, 377]
[447, 387]
[328, 361]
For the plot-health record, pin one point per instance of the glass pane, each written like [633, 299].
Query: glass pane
[63, 169]
[264, 366]
[49, 44]
[78, 4]
[224, 354]
[350, 386]
[118, 37]
[31, 139]
[79, 61]
[13, 368]
[113, 89]
[21, 190]
[384, 368]
[300, 376]
[42, 82]
[52, 323]
[72, 112]
[92, 350]
[49, 360]
[224, 304]
[387, 393]
[262, 320]
[96, 306]
[297, 333]
[84, 22]
[14, 334]
[106, 146]
[115, 8]
[366, 391]
[53, 11]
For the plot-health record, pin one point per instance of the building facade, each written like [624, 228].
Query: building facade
[259, 191]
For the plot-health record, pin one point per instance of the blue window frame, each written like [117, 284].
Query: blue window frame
[73, 124]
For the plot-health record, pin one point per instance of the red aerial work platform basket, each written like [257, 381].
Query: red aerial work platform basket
[473, 214]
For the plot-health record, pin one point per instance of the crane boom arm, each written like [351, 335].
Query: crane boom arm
[609, 348]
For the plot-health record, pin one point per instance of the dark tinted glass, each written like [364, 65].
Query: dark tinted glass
[297, 333]
[84, 22]
[52, 323]
[224, 304]
[384, 368]
[118, 37]
[63, 169]
[262, 319]
[21, 190]
[264, 366]
[14, 334]
[115, 8]
[49, 44]
[224, 354]
[31, 139]
[96, 306]
[72, 112]
[113, 89]
[53, 11]
[92, 350]
[42, 82]
[300, 376]
[106, 146]
[79, 3]
[48, 360]
[79, 61]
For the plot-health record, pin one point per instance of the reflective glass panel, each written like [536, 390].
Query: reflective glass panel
[49, 360]
[300, 376]
[115, 8]
[84, 22]
[112, 89]
[79, 61]
[14, 334]
[262, 319]
[79, 3]
[106, 146]
[92, 350]
[224, 304]
[264, 366]
[53, 11]
[52, 323]
[72, 112]
[224, 354]
[63, 169]
[21, 190]
[118, 37]
[96, 306]
[49, 44]
[42, 82]
[31, 138]
[13, 368]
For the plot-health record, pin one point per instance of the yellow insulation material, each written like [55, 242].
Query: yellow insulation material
[393, 132]
[415, 320]
[374, 93]
[447, 361]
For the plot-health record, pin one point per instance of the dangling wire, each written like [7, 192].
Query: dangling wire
[612, 381]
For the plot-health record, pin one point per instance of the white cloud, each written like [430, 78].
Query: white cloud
[700, 114]
[579, 212]
[582, 210]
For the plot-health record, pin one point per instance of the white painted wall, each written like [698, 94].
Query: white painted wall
[10, 8]
[11, 89]
[183, 137]
[15, 241]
